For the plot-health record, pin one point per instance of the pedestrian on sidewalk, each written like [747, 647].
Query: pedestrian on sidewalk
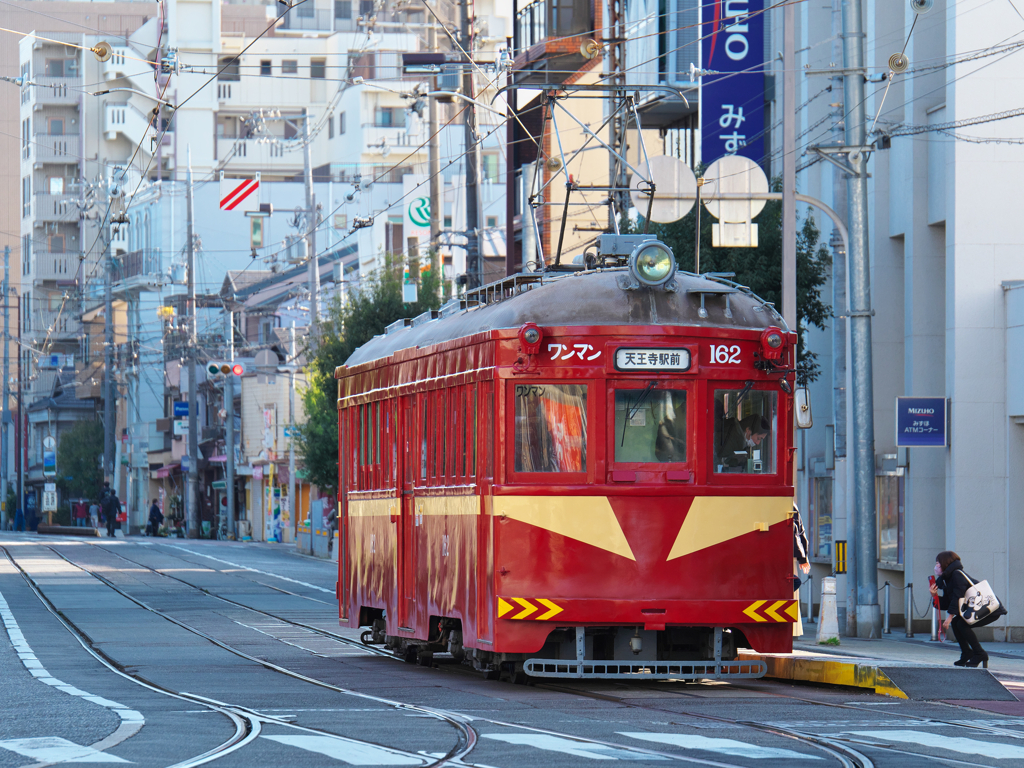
[801, 563]
[94, 514]
[19, 520]
[81, 512]
[156, 519]
[953, 582]
[111, 508]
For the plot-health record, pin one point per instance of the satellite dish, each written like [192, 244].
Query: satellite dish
[734, 174]
[590, 49]
[921, 6]
[103, 51]
[675, 190]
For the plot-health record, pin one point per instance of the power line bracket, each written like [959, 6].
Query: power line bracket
[831, 154]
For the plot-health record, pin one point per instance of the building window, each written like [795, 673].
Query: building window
[26, 312]
[227, 69]
[330, 126]
[490, 169]
[289, 67]
[26, 254]
[61, 68]
[447, 222]
[889, 500]
[390, 117]
[26, 196]
[341, 124]
[265, 67]
[56, 185]
[55, 126]
[317, 68]
[366, 8]
[551, 428]
[650, 426]
[305, 11]
[819, 518]
[56, 243]
[745, 427]
[343, 9]
[492, 222]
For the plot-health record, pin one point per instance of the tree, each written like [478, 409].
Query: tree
[79, 474]
[761, 268]
[367, 311]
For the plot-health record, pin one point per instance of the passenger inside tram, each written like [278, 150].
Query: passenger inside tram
[650, 425]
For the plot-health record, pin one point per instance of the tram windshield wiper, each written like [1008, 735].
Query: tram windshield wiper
[631, 410]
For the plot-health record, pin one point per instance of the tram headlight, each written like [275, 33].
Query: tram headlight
[773, 341]
[652, 263]
[530, 336]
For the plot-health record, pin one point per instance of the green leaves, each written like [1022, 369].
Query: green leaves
[80, 473]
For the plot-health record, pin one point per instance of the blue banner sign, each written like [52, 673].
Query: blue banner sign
[732, 103]
[921, 422]
[180, 408]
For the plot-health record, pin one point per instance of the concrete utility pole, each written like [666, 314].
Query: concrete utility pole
[869, 616]
[229, 428]
[841, 508]
[789, 166]
[4, 438]
[193, 404]
[314, 263]
[474, 261]
[434, 153]
[109, 416]
[291, 429]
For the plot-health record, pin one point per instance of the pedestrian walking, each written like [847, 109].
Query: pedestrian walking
[19, 520]
[954, 583]
[81, 512]
[801, 563]
[156, 519]
[111, 508]
[94, 514]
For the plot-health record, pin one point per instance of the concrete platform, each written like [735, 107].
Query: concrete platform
[66, 530]
[899, 679]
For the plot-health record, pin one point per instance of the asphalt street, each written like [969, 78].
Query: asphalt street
[179, 653]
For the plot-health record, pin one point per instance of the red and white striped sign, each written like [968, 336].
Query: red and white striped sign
[240, 194]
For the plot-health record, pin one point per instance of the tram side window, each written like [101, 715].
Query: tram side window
[746, 423]
[551, 428]
[425, 422]
[650, 425]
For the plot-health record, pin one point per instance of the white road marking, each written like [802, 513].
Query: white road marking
[131, 720]
[729, 747]
[349, 751]
[941, 741]
[570, 746]
[246, 568]
[53, 749]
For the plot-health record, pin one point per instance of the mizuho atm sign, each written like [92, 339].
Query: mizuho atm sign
[921, 422]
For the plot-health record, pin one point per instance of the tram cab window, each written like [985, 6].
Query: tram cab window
[551, 428]
[650, 425]
[745, 427]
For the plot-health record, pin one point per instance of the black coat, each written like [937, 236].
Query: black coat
[954, 585]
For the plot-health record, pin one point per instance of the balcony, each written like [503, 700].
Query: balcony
[548, 38]
[303, 19]
[62, 267]
[57, 90]
[264, 156]
[60, 323]
[54, 208]
[140, 270]
[115, 67]
[395, 136]
[56, 149]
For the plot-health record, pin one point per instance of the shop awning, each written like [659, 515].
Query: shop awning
[219, 459]
[167, 471]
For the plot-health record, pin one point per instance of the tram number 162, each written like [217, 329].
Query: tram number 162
[723, 354]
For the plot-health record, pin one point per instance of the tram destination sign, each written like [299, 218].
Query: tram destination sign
[651, 359]
[921, 422]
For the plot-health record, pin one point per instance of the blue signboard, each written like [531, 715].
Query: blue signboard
[180, 408]
[184, 463]
[732, 103]
[921, 422]
[49, 463]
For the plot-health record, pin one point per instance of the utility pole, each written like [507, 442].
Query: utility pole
[789, 166]
[841, 508]
[109, 417]
[4, 438]
[229, 432]
[869, 617]
[20, 436]
[617, 177]
[314, 263]
[193, 439]
[434, 153]
[291, 431]
[474, 261]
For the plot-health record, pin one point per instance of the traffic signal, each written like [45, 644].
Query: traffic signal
[225, 367]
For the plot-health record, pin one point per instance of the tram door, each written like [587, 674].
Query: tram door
[407, 520]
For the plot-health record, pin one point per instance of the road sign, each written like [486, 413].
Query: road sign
[674, 193]
[734, 175]
[239, 194]
[49, 501]
[50, 487]
[256, 232]
[184, 463]
[921, 422]
[180, 408]
[49, 456]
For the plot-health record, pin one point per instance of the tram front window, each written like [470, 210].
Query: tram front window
[650, 425]
[551, 428]
[745, 427]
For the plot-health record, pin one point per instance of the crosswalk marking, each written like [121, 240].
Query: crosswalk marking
[53, 749]
[953, 744]
[570, 746]
[348, 750]
[730, 747]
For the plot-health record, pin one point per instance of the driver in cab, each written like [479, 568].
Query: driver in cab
[739, 438]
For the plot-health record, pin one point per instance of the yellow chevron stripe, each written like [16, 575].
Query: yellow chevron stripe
[794, 611]
[554, 610]
[504, 607]
[772, 611]
[528, 608]
[751, 610]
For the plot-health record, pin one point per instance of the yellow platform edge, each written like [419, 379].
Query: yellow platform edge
[853, 673]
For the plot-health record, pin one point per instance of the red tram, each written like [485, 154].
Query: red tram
[573, 475]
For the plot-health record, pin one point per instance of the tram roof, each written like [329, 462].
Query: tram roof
[585, 298]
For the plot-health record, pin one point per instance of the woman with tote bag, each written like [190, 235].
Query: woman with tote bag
[955, 585]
